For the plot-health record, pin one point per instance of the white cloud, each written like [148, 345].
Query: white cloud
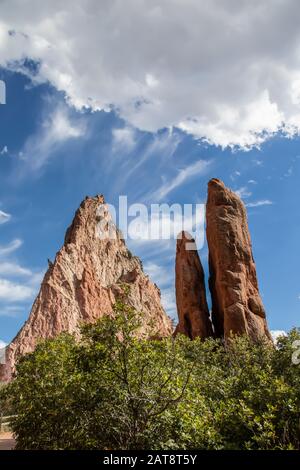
[123, 139]
[22, 288]
[18, 284]
[4, 217]
[13, 269]
[289, 172]
[168, 301]
[235, 175]
[225, 71]
[14, 292]
[243, 192]
[11, 247]
[36, 279]
[263, 202]
[162, 145]
[8, 310]
[56, 129]
[2, 352]
[276, 334]
[4, 150]
[161, 275]
[183, 175]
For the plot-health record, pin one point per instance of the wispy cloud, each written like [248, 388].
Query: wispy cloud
[124, 139]
[182, 177]
[236, 174]
[152, 249]
[243, 192]
[11, 310]
[161, 275]
[169, 302]
[13, 269]
[36, 279]
[11, 247]
[4, 217]
[14, 292]
[18, 284]
[2, 344]
[263, 202]
[4, 151]
[289, 172]
[56, 129]
[161, 146]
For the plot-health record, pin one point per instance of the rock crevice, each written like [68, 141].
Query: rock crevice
[237, 307]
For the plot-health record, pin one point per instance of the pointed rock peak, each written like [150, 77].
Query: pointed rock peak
[84, 281]
[185, 242]
[236, 304]
[216, 182]
[86, 218]
[191, 301]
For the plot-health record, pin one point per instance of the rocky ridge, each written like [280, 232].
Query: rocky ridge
[83, 282]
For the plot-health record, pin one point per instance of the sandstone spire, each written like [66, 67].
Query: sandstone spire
[83, 282]
[236, 304]
[190, 291]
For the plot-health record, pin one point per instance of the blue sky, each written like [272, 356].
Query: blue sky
[149, 100]
[44, 176]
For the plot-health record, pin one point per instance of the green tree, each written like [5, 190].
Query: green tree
[116, 389]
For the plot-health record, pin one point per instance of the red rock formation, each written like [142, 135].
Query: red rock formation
[236, 304]
[83, 282]
[191, 301]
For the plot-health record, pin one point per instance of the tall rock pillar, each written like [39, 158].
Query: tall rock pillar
[236, 303]
[190, 291]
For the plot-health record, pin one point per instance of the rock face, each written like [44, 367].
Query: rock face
[82, 284]
[191, 301]
[236, 304]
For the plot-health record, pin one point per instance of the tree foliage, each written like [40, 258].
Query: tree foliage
[115, 389]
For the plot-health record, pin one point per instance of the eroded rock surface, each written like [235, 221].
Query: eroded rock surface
[237, 307]
[83, 282]
[191, 301]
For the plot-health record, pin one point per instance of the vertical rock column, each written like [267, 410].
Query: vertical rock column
[190, 291]
[236, 304]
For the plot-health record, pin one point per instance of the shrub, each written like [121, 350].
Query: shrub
[114, 389]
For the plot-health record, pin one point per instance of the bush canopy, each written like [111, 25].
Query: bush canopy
[115, 389]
